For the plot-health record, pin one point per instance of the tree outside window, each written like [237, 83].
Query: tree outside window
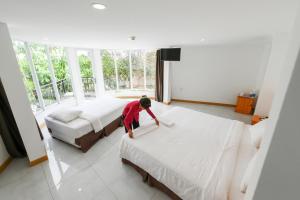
[109, 73]
[137, 60]
[19, 48]
[122, 61]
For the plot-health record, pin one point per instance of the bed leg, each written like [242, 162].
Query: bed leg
[150, 181]
[143, 173]
[145, 178]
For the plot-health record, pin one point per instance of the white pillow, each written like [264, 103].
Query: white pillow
[257, 132]
[248, 174]
[65, 115]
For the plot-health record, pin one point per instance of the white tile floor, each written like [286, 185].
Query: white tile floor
[95, 175]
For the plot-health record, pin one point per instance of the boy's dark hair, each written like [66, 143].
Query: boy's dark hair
[145, 102]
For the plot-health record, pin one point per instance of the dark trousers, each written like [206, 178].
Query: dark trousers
[133, 125]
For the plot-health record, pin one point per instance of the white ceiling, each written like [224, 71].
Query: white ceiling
[155, 23]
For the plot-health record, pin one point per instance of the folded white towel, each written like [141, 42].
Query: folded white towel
[166, 121]
[144, 129]
[94, 120]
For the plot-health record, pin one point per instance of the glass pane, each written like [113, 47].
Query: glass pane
[150, 69]
[27, 77]
[61, 70]
[137, 63]
[122, 59]
[108, 67]
[40, 62]
[86, 73]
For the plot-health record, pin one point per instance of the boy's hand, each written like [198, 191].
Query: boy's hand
[130, 133]
[157, 122]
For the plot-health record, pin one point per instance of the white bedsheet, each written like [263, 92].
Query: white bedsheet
[165, 121]
[106, 109]
[94, 120]
[195, 158]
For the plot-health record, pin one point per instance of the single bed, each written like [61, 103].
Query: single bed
[81, 132]
[194, 159]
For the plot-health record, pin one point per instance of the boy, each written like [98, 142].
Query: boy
[131, 114]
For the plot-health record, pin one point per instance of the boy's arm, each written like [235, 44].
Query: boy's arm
[153, 116]
[150, 113]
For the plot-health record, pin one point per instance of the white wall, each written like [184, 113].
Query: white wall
[15, 90]
[277, 172]
[218, 73]
[273, 73]
[3, 153]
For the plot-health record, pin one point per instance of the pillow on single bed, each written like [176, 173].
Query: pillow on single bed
[248, 174]
[257, 132]
[65, 115]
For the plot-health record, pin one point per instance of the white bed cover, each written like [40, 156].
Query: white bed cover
[195, 158]
[105, 108]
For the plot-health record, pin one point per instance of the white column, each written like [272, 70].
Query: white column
[116, 69]
[276, 171]
[272, 74]
[34, 76]
[16, 94]
[130, 70]
[75, 75]
[98, 72]
[167, 82]
[52, 74]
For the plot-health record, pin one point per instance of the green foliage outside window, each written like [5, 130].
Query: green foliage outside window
[123, 69]
[40, 62]
[58, 56]
[108, 66]
[25, 70]
[150, 69]
[59, 62]
[137, 61]
[85, 66]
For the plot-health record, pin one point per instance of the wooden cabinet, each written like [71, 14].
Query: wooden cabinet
[245, 105]
[255, 119]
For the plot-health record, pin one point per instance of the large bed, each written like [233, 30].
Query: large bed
[105, 112]
[193, 159]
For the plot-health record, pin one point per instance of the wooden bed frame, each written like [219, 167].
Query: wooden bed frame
[88, 140]
[152, 181]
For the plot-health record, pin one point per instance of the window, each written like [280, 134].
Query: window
[46, 73]
[19, 48]
[41, 65]
[126, 70]
[122, 62]
[150, 62]
[137, 63]
[61, 70]
[86, 72]
[109, 73]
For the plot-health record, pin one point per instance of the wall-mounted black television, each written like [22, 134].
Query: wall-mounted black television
[170, 54]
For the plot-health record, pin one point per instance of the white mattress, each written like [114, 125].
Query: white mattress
[106, 108]
[195, 158]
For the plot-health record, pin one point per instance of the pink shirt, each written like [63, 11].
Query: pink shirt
[131, 112]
